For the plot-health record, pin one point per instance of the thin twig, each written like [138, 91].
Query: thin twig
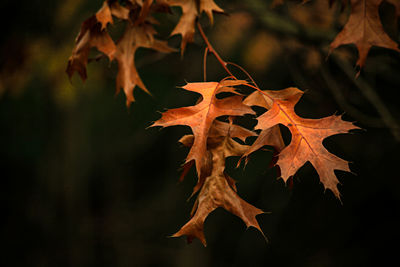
[211, 49]
[224, 64]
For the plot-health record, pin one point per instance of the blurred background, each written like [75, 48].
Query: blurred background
[85, 183]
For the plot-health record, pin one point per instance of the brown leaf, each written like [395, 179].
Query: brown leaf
[221, 129]
[219, 189]
[119, 11]
[364, 29]
[201, 116]
[144, 12]
[268, 137]
[93, 34]
[186, 24]
[104, 15]
[215, 193]
[190, 11]
[135, 36]
[90, 35]
[111, 8]
[307, 136]
[218, 131]
[209, 7]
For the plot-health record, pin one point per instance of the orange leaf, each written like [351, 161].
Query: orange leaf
[268, 137]
[307, 136]
[364, 29]
[215, 193]
[104, 15]
[218, 189]
[186, 24]
[209, 7]
[201, 116]
[218, 129]
[190, 12]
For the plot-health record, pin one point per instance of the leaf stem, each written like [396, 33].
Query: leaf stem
[244, 71]
[212, 50]
[224, 64]
[205, 64]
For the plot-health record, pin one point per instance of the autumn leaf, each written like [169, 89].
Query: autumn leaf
[135, 36]
[219, 189]
[190, 11]
[307, 136]
[93, 33]
[209, 6]
[364, 29]
[139, 32]
[215, 193]
[201, 116]
[90, 35]
[186, 24]
[104, 15]
[221, 129]
[267, 137]
[218, 129]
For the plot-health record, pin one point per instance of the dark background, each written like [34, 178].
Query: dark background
[84, 183]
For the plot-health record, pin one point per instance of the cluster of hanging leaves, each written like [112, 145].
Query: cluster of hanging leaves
[363, 29]
[212, 142]
[213, 139]
[139, 32]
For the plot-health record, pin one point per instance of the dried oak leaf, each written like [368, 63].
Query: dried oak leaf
[116, 10]
[201, 116]
[135, 36]
[104, 15]
[90, 35]
[93, 33]
[364, 29]
[218, 129]
[190, 11]
[111, 8]
[219, 189]
[307, 136]
[267, 137]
